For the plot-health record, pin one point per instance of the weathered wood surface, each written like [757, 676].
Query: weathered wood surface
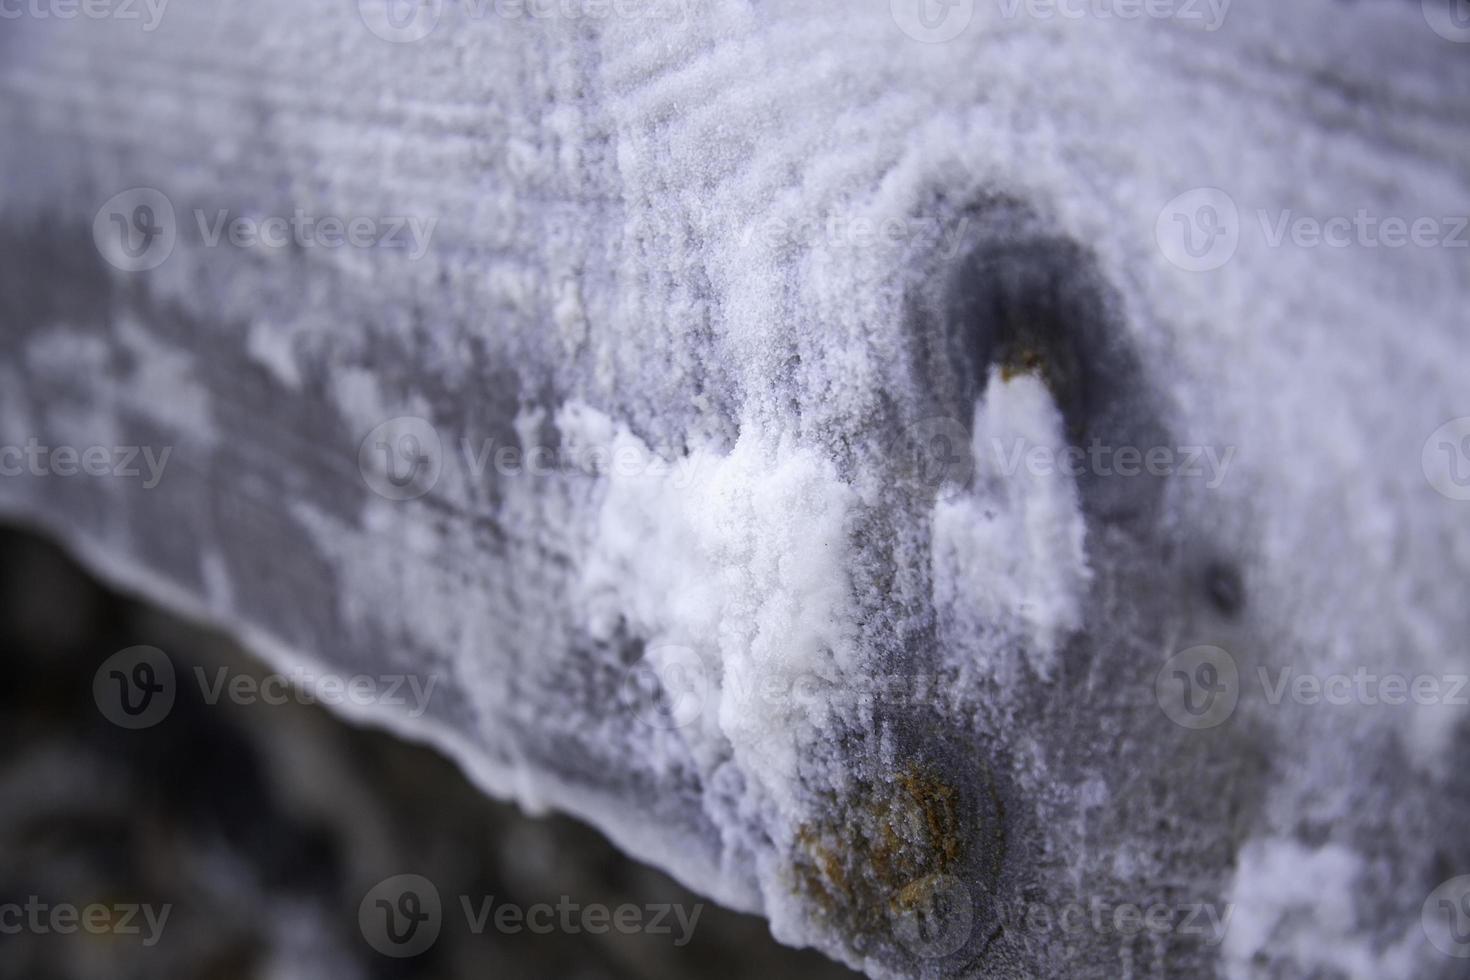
[830, 268]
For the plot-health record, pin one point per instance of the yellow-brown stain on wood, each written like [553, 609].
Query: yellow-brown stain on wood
[897, 835]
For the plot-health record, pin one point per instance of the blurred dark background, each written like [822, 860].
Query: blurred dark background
[262, 827]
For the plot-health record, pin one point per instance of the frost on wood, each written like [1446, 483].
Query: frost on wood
[770, 306]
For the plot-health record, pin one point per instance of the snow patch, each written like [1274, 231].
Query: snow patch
[746, 564]
[270, 346]
[1291, 904]
[1011, 552]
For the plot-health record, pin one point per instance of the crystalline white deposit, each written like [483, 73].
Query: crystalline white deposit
[1013, 553]
[749, 557]
[634, 455]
